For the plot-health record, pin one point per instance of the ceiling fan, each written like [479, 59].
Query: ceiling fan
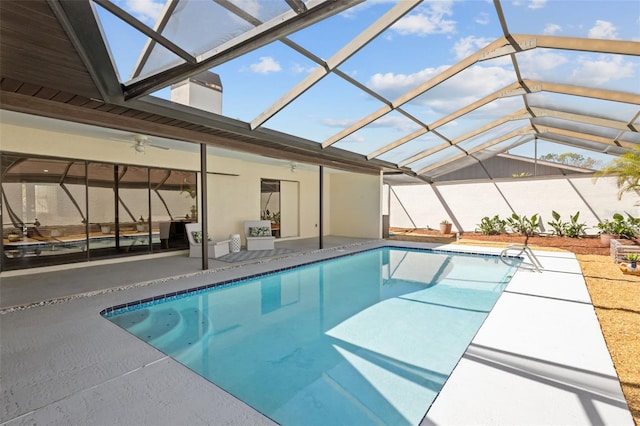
[141, 142]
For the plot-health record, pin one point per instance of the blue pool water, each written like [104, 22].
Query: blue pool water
[363, 339]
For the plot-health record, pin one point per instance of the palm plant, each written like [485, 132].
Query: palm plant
[627, 170]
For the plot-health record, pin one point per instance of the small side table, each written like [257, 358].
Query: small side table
[234, 243]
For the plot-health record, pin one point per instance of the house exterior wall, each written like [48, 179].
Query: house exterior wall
[233, 184]
[356, 205]
[234, 199]
[35, 141]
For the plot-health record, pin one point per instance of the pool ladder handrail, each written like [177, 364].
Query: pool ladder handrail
[524, 249]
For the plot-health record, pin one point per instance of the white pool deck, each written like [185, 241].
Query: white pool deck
[539, 358]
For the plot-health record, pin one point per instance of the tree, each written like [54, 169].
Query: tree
[571, 159]
[626, 168]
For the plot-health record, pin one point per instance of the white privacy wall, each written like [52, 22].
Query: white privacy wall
[465, 203]
[414, 206]
[417, 206]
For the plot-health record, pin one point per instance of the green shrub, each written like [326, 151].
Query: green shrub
[559, 227]
[633, 257]
[492, 226]
[626, 228]
[523, 224]
[571, 229]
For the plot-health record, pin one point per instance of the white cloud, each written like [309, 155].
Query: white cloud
[540, 65]
[603, 29]
[252, 7]
[354, 11]
[537, 4]
[339, 123]
[393, 85]
[467, 45]
[427, 20]
[466, 87]
[299, 69]
[388, 121]
[266, 65]
[398, 122]
[551, 29]
[601, 70]
[354, 138]
[482, 19]
[146, 11]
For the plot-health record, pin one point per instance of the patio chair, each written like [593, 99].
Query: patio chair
[194, 234]
[258, 234]
[165, 231]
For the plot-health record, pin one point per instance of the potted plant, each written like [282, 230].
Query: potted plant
[607, 232]
[141, 226]
[633, 259]
[445, 227]
[616, 228]
[14, 236]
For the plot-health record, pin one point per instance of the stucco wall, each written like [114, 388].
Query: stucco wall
[233, 184]
[57, 144]
[417, 206]
[356, 205]
[234, 199]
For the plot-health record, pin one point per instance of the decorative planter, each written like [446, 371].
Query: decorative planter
[234, 243]
[605, 239]
[445, 228]
[627, 268]
[105, 229]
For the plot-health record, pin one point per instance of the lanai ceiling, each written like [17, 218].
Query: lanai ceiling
[107, 63]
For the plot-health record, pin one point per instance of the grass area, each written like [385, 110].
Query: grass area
[616, 299]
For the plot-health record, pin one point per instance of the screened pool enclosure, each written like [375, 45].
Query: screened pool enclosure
[420, 92]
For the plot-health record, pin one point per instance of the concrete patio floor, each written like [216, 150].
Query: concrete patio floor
[539, 358]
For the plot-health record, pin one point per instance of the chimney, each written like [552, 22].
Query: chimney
[202, 91]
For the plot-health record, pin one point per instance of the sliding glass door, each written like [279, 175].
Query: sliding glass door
[43, 211]
[57, 211]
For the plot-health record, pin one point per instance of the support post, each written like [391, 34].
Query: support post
[321, 207]
[203, 206]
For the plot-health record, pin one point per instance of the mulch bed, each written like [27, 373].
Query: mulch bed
[585, 245]
[615, 296]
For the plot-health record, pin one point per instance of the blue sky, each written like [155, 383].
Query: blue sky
[433, 37]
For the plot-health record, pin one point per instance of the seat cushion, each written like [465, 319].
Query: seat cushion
[197, 236]
[259, 231]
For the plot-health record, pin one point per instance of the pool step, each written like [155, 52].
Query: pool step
[193, 327]
[169, 330]
[146, 325]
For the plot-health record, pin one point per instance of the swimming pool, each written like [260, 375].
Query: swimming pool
[368, 338]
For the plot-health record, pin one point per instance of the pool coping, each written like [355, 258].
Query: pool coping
[540, 353]
[104, 375]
